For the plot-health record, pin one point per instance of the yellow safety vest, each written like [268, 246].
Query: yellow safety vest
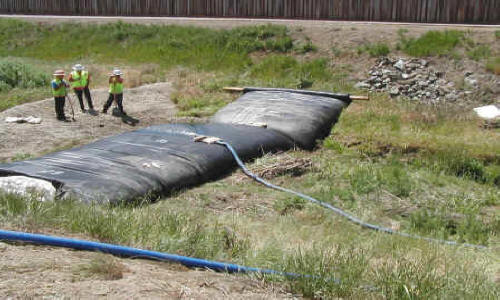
[61, 91]
[79, 81]
[116, 87]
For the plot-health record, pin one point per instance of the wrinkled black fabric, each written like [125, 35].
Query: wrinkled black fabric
[160, 159]
[154, 160]
[303, 118]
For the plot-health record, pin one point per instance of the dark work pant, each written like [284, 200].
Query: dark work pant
[79, 94]
[119, 102]
[59, 101]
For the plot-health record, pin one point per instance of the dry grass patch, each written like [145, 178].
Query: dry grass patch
[102, 266]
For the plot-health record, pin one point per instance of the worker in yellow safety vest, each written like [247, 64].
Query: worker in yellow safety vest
[115, 91]
[80, 80]
[59, 87]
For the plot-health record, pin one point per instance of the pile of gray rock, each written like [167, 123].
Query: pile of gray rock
[414, 79]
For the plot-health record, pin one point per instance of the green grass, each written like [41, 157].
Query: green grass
[305, 48]
[102, 266]
[200, 48]
[427, 170]
[479, 52]
[391, 163]
[493, 65]
[205, 98]
[286, 71]
[19, 96]
[21, 82]
[374, 50]
[19, 75]
[167, 47]
[431, 43]
[164, 230]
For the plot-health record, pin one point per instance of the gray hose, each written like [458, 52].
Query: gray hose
[338, 211]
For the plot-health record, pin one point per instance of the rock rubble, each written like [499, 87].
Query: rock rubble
[414, 79]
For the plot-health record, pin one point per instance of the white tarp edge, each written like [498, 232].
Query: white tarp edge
[490, 112]
[27, 186]
[30, 120]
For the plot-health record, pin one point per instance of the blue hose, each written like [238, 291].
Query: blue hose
[135, 253]
[195, 262]
[338, 211]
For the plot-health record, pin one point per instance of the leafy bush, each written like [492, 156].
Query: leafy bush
[18, 75]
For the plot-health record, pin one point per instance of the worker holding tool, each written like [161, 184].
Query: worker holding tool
[59, 86]
[115, 91]
[80, 80]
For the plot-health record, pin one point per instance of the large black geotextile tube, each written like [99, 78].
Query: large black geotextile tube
[154, 161]
[343, 97]
[303, 116]
[157, 160]
[338, 211]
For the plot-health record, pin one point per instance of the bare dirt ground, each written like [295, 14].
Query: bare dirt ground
[149, 103]
[37, 271]
[28, 272]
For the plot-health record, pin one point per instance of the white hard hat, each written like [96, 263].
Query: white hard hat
[116, 72]
[58, 73]
[78, 67]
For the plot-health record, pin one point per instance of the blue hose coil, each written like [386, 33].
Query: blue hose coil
[338, 211]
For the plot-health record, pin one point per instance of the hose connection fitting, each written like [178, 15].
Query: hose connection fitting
[206, 139]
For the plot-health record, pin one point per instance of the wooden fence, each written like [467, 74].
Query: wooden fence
[430, 11]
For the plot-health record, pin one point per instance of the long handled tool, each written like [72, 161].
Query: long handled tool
[343, 97]
[68, 96]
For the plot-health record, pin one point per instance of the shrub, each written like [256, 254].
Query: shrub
[18, 75]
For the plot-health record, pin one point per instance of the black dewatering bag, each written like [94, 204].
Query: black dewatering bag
[160, 159]
[154, 160]
[303, 116]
